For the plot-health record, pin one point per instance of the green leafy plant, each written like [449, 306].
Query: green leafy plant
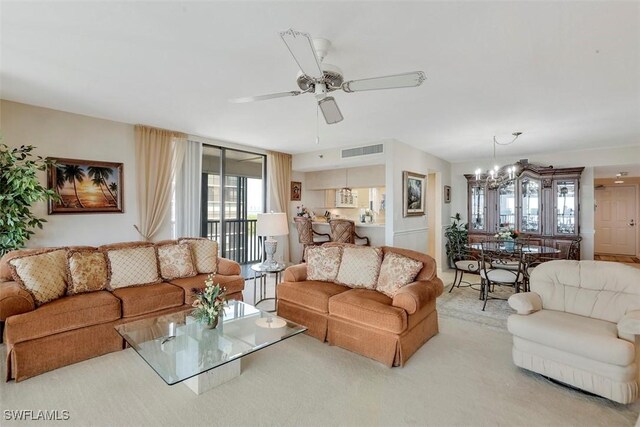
[457, 238]
[209, 302]
[19, 190]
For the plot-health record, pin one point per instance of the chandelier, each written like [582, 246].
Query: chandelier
[498, 174]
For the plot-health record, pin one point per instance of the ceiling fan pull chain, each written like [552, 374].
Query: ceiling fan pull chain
[317, 123]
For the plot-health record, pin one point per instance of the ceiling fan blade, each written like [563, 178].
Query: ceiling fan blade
[386, 82]
[301, 47]
[330, 110]
[264, 97]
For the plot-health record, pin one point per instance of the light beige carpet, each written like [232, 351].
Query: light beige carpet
[461, 377]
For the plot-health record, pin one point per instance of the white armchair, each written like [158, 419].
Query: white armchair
[579, 325]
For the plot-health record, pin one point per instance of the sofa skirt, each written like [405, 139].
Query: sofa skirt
[315, 322]
[27, 359]
[385, 347]
[617, 383]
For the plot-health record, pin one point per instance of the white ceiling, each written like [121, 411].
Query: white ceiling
[567, 74]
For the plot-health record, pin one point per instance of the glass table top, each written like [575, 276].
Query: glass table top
[526, 249]
[178, 347]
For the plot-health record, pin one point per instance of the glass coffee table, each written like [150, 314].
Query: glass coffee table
[180, 349]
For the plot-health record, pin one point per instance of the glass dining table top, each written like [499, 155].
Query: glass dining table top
[527, 249]
[178, 347]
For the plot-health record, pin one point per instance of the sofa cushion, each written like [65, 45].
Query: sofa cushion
[233, 284]
[43, 275]
[310, 294]
[370, 308]
[64, 314]
[139, 300]
[132, 266]
[396, 271]
[88, 271]
[323, 263]
[205, 253]
[175, 261]
[592, 338]
[359, 267]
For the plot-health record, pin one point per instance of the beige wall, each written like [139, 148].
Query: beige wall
[60, 134]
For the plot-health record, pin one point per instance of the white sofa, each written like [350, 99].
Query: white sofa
[579, 325]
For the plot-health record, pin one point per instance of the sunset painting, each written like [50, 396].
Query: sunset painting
[85, 186]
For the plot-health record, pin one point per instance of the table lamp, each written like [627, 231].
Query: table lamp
[271, 224]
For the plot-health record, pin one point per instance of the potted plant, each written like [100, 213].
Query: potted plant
[457, 237]
[209, 303]
[19, 190]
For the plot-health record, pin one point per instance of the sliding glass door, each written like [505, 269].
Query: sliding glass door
[233, 193]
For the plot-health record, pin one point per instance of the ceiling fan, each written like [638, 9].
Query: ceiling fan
[320, 78]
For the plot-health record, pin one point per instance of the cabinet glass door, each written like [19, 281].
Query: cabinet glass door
[478, 202]
[507, 205]
[530, 202]
[566, 206]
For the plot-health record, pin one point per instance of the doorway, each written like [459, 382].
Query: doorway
[233, 192]
[615, 219]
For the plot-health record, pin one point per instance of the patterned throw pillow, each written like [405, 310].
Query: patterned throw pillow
[396, 271]
[176, 261]
[205, 253]
[323, 263]
[43, 275]
[360, 267]
[132, 267]
[88, 271]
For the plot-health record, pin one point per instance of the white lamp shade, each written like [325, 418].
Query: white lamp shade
[272, 224]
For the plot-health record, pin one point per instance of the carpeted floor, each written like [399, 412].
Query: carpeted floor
[463, 376]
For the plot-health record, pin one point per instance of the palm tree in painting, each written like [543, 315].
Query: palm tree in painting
[73, 174]
[114, 188]
[99, 177]
[60, 180]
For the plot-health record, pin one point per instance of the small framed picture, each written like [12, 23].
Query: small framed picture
[296, 190]
[414, 185]
[447, 194]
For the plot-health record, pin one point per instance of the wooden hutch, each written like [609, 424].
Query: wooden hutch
[541, 202]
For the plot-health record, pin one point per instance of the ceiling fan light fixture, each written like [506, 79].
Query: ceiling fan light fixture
[330, 110]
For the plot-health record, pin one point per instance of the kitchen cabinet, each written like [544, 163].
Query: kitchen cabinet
[359, 177]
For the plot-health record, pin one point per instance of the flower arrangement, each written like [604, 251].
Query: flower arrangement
[508, 234]
[209, 302]
[304, 212]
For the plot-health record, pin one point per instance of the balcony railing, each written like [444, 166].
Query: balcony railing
[242, 244]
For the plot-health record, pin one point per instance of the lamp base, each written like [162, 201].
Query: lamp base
[270, 246]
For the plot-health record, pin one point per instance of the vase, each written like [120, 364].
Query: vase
[509, 245]
[212, 323]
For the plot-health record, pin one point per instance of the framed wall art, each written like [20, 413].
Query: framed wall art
[296, 190]
[447, 194]
[413, 194]
[85, 186]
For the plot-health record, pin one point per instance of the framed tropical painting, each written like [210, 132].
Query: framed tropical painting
[85, 186]
[414, 185]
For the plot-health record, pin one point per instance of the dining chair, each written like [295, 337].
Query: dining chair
[461, 258]
[344, 231]
[307, 236]
[500, 266]
[573, 253]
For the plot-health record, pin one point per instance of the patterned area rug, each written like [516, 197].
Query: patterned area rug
[463, 303]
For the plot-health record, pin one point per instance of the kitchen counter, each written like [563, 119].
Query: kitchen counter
[358, 224]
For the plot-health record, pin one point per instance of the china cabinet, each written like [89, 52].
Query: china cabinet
[541, 202]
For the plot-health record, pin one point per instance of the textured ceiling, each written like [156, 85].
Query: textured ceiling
[567, 74]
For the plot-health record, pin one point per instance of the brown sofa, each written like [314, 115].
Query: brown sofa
[365, 321]
[75, 328]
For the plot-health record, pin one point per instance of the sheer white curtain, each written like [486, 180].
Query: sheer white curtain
[188, 192]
